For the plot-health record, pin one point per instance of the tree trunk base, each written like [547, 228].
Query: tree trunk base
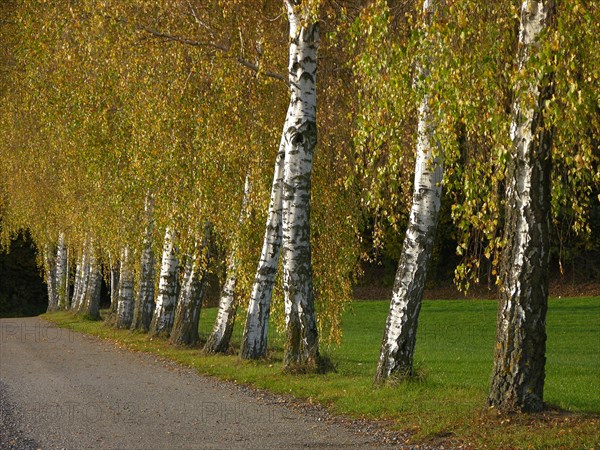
[184, 341]
[318, 364]
[508, 403]
[214, 346]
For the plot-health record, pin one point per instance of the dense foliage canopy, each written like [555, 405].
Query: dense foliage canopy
[104, 102]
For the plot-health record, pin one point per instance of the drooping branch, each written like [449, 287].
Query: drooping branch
[215, 46]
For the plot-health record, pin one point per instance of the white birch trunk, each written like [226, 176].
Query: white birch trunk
[86, 271]
[144, 301]
[50, 276]
[254, 339]
[88, 301]
[519, 359]
[115, 273]
[67, 305]
[77, 283]
[85, 275]
[62, 273]
[191, 295]
[218, 341]
[397, 348]
[81, 279]
[90, 306]
[301, 349]
[162, 321]
[125, 300]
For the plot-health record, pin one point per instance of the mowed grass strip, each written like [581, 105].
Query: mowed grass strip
[453, 360]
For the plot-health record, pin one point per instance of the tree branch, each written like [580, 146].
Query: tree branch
[200, 22]
[220, 47]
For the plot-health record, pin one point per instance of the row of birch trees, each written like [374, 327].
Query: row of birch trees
[153, 143]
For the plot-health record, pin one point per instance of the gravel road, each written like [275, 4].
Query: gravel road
[61, 390]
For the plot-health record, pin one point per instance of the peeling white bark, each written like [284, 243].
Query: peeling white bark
[191, 295]
[399, 338]
[62, 274]
[68, 281]
[301, 139]
[254, 340]
[125, 301]
[144, 302]
[519, 360]
[81, 279]
[88, 293]
[50, 276]
[90, 305]
[77, 283]
[85, 276]
[218, 341]
[114, 288]
[162, 321]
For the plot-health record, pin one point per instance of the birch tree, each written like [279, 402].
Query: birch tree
[62, 273]
[144, 300]
[519, 359]
[90, 306]
[399, 339]
[302, 347]
[220, 336]
[81, 279]
[50, 276]
[219, 339]
[162, 320]
[125, 300]
[254, 340]
[76, 284]
[87, 303]
[288, 222]
[191, 294]
[288, 217]
[115, 271]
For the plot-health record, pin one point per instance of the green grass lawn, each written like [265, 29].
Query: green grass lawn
[454, 360]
